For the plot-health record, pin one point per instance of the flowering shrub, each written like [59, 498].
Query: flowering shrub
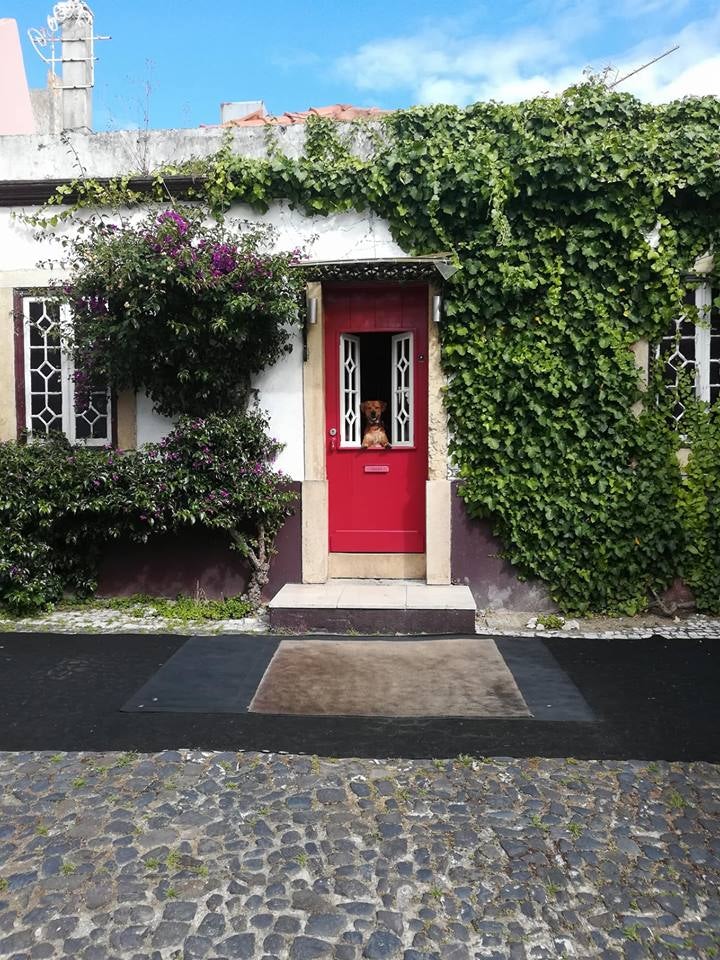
[189, 312]
[59, 505]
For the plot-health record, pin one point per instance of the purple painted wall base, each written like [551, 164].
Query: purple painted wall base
[201, 560]
[475, 561]
[196, 561]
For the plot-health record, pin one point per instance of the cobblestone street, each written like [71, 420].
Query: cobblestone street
[196, 855]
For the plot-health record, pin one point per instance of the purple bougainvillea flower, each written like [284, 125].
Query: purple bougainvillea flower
[223, 260]
[169, 216]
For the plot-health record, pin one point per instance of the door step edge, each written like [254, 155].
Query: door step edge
[372, 621]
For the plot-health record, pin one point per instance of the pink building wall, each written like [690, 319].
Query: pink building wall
[16, 114]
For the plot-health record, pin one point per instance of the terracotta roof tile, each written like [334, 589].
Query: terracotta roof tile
[337, 111]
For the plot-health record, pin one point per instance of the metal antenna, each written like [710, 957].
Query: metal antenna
[648, 64]
[43, 37]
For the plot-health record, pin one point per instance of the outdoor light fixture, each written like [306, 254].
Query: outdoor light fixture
[436, 307]
[312, 309]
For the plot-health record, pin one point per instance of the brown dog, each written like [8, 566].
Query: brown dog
[374, 433]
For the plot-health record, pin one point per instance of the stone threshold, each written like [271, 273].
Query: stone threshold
[373, 606]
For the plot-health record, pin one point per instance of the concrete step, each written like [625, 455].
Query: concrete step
[373, 606]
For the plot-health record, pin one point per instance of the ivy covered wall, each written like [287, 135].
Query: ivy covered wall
[546, 207]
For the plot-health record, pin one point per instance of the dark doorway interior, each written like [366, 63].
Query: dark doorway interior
[375, 368]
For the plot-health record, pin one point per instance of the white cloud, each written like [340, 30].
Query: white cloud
[410, 62]
[443, 67]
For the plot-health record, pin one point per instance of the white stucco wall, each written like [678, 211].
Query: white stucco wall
[279, 395]
[348, 235]
[340, 236]
[151, 426]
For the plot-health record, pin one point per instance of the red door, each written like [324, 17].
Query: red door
[376, 350]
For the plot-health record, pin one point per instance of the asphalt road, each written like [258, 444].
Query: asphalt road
[650, 698]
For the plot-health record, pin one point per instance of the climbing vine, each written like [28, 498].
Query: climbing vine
[548, 207]
[700, 508]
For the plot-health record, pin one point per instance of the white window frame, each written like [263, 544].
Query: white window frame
[408, 388]
[703, 304]
[702, 339]
[353, 438]
[67, 369]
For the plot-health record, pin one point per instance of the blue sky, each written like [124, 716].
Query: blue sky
[386, 53]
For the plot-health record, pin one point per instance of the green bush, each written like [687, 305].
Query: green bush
[61, 505]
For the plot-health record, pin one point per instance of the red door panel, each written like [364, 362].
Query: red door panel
[376, 344]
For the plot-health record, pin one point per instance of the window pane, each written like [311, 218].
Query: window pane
[45, 365]
[45, 368]
[92, 422]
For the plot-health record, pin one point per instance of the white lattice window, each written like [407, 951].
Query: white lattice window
[350, 390]
[402, 390]
[49, 387]
[691, 349]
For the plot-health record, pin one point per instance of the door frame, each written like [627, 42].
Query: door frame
[317, 563]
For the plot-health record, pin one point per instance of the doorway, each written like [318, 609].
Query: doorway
[376, 369]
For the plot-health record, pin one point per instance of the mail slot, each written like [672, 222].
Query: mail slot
[371, 468]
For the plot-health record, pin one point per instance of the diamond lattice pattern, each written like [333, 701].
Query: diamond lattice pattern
[50, 395]
[690, 352]
[350, 389]
[402, 389]
[45, 367]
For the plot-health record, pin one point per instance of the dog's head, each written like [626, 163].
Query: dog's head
[373, 410]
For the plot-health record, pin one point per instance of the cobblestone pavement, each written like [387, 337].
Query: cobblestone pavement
[193, 855]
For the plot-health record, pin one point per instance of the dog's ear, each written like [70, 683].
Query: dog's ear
[363, 407]
[383, 406]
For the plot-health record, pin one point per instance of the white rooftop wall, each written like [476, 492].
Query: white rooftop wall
[121, 152]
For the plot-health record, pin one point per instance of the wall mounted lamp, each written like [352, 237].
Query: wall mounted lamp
[312, 309]
[436, 308]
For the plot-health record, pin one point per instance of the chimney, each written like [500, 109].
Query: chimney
[237, 109]
[76, 22]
